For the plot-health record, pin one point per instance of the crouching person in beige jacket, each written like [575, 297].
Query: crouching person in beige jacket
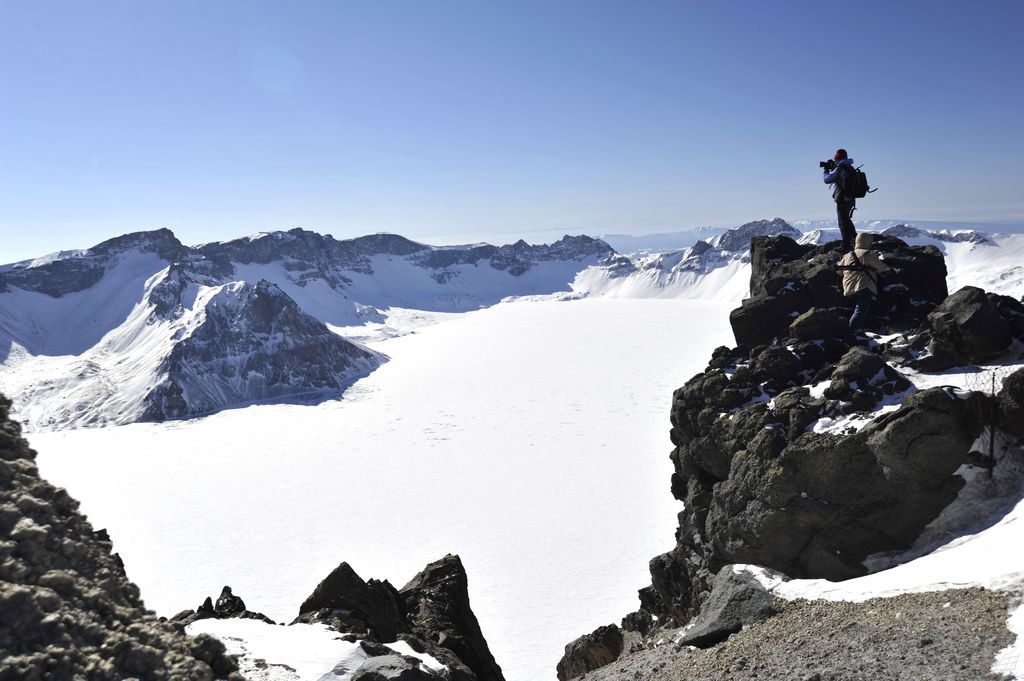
[860, 268]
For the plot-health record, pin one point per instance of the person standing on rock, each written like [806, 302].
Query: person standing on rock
[860, 268]
[838, 174]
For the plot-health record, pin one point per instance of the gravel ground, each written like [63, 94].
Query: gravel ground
[937, 636]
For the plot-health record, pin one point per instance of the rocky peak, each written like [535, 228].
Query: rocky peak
[805, 448]
[253, 343]
[738, 239]
[159, 241]
[431, 613]
[384, 244]
[80, 270]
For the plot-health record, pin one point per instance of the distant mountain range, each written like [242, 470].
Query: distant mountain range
[142, 327]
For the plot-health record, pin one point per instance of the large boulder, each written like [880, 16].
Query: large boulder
[973, 325]
[736, 600]
[389, 668]
[590, 651]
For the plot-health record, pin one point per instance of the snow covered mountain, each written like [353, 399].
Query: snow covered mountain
[142, 327]
[717, 268]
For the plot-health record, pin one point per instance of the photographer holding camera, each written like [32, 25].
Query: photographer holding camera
[838, 172]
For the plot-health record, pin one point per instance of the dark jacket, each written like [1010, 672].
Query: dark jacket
[839, 177]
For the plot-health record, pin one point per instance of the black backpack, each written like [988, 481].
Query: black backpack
[856, 184]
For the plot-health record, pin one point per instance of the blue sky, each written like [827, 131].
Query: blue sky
[453, 121]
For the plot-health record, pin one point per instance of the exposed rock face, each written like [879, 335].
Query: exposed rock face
[254, 343]
[788, 279]
[590, 651]
[373, 608]
[784, 456]
[79, 270]
[437, 603]
[431, 613]
[970, 321]
[67, 609]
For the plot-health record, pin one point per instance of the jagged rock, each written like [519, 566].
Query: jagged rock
[67, 609]
[228, 604]
[590, 651]
[431, 613]
[970, 321]
[348, 603]
[1011, 403]
[437, 603]
[389, 668]
[736, 600]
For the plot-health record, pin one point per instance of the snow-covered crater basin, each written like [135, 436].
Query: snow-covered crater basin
[531, 438]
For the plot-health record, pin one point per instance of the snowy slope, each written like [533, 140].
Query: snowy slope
[529, 437]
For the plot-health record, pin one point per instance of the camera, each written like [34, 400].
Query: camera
[828, 165]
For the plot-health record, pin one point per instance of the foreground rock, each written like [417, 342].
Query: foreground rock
[67, 609]
[805, 449]
[431, 613]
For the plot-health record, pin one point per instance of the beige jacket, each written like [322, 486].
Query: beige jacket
[858, 280]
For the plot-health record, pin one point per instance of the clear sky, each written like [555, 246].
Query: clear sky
[452, 121]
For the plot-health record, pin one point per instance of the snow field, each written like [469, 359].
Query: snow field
[530, 438]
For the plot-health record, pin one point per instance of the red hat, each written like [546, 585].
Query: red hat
[840, 155]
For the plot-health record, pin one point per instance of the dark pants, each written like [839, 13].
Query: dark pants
[864, 302]
[844, 209]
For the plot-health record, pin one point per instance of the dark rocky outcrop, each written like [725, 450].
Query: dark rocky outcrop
[349, 604]
[789, 279]
[970, 321]
[784, 456]
[591, 651]
[228, 605]
[431, 613]
[67, 609]
[81, 269]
